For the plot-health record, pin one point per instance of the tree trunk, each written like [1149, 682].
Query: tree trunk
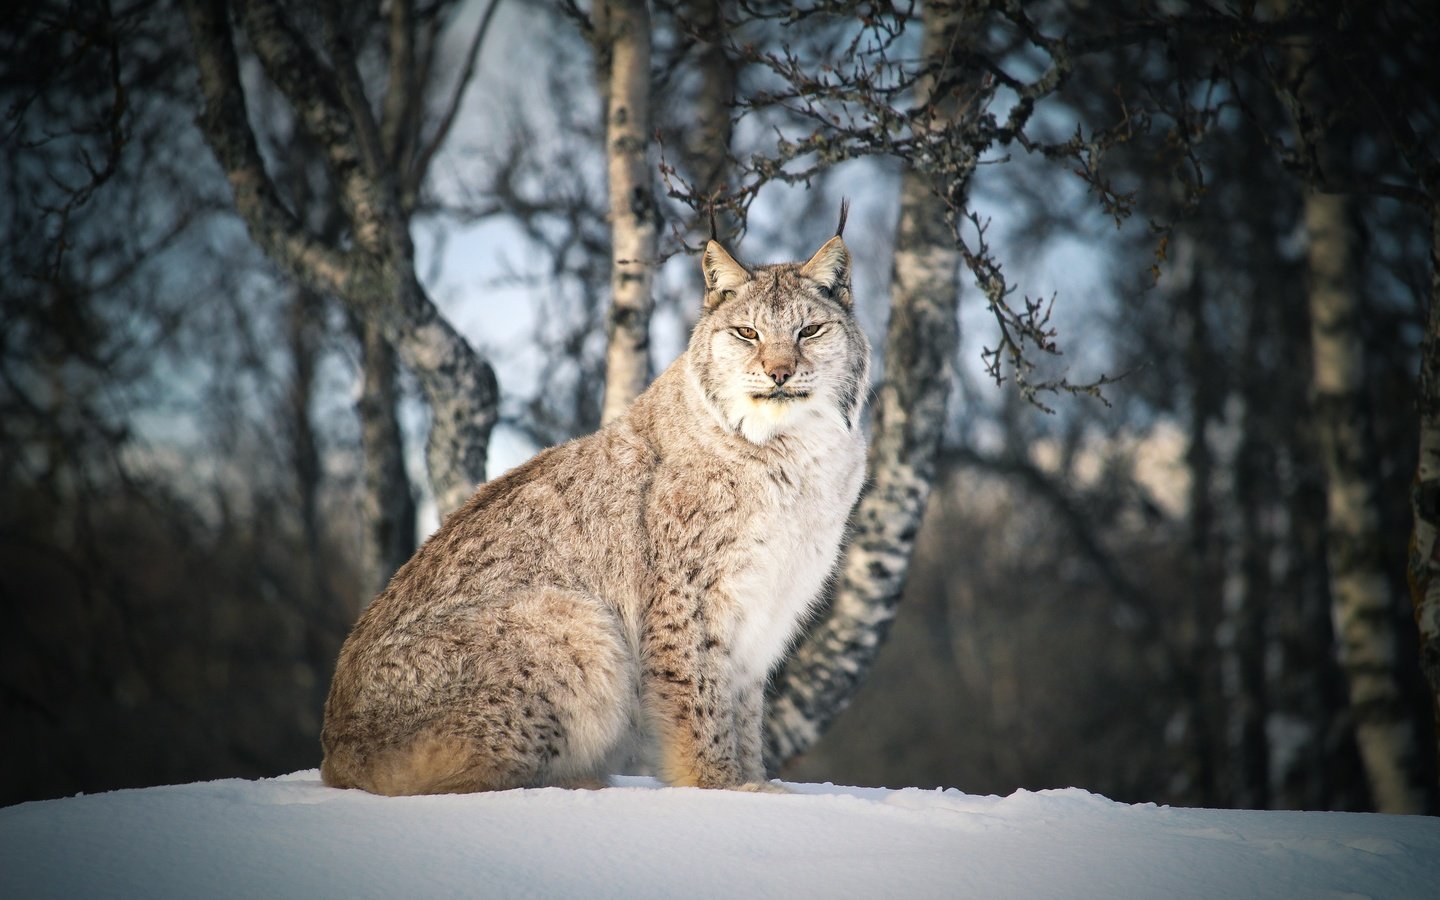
[376, 277]
[707, 145]
[389, 505]
[1362, 605]
[1247, 590]
[1320, 775]
[632, 204]
[1192, 737]
[1425, 536]
[1322, 771]
[820, 677]
[304, 453]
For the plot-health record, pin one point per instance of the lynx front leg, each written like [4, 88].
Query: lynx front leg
[687, 696]
[749, 713]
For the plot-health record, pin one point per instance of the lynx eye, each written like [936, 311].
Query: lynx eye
[810, 330]
[746, 332]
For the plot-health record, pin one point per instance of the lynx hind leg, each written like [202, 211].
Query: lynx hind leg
[539, 699]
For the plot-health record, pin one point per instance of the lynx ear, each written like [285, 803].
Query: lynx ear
[722, 274]
[831, 267]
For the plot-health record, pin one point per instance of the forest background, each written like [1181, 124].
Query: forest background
[1155, 468]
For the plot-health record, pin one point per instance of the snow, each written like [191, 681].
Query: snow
[293, 837]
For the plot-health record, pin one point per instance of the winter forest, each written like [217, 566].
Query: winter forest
[1153, 505]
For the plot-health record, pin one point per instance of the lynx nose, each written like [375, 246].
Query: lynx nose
[780, 373]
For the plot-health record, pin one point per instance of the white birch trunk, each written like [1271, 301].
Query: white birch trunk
[632, 205]
[1361, 599]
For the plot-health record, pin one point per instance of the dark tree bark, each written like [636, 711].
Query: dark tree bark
[304, 451]
[1193, 736]
[1248, 587]
[1425, 537]
[389, 505]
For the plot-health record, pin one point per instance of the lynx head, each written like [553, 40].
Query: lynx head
[778, 346]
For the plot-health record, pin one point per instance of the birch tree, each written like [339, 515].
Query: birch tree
[1322, 64]
[376, 171]
[1321, 97]
[410, 35]
[387, 505]
[623, 28]
[1360, 593]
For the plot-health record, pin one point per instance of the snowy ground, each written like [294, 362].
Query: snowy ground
[293, 837]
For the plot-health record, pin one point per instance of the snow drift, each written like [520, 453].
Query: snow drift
[294, 837]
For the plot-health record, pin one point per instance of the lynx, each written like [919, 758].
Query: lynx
[626, 595]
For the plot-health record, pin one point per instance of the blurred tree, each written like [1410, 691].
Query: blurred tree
[1362, 594]
[153, 631]
[706, 135]
[376, 171]
[620, 32]
[389, 504]
[1322, 62]
[389, 510]
[1316, 62]
[174, 392]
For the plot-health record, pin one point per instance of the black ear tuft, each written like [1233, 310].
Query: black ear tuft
[844, 212]
[714, 233]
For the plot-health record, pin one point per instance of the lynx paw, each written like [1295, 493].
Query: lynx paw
[584, 784]
[764, 787]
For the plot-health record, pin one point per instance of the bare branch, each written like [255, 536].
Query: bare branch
[227, 128]
[310, 87]
[421, 166]
[352, 92]
[402, 104]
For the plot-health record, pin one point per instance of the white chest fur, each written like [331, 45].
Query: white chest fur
[794, 540]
